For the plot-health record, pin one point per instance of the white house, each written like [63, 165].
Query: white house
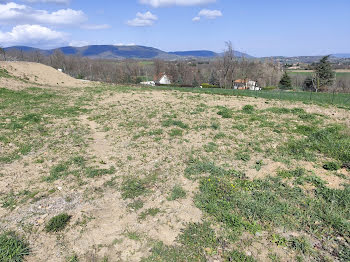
[162, 79]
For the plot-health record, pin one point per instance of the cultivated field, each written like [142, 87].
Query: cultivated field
[112, 173]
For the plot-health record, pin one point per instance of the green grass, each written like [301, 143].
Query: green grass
[194, 241]
[175, 132]
[177, 193]
[58, 223]
[332, 141]
[241, 205]
[133, 187]
[136, 205]
[4, 73]
[341, 100]
[149, 212]
[172, 122]
[225, 112]
[12, 248]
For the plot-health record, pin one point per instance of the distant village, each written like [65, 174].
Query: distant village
[241, 84]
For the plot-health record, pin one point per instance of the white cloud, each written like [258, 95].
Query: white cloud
[143, 19]
[196, 19]
[122, 44]
[78, 43]
[12, 13]
[96, 27]
[161, 3]
[66, 2]
[208, 14]
[33, 35]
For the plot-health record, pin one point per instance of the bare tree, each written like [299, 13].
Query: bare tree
[3, 52]
[226, 67]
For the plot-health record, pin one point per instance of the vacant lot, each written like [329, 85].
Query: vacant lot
[111, 173]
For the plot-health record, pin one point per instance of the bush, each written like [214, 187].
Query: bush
[58, 223]
[12, 248]
[206, 85]
[248, 109]
[332, 166]
[225, 112]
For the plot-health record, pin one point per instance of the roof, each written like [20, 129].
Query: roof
[159, 76]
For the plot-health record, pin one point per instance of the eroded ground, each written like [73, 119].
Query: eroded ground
[169, 176]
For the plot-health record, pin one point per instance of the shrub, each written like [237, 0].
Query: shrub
[58, 223]
[248, 109]
[332, 166]
[12, 248]
[206, 85]
[225, 112]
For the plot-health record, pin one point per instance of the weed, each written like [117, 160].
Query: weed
[215, 126]
[300, 244]
[133, 235]
[258, 165]
[210, 147]
[176, 132]
[136, 205]
[248, 109]
[156, 132]
[299, 172]
[225, 112]
[194, 240]
[133, 187]
[58, 223]
[236, 256]
[95, 172]
[9, 201]
[149, 212]
[332, 166]
[240, 127]
[330, 141]
[73, 258]
[172, 122]
[220, 135]
[12, 248]
[242, 156]
[177, 193]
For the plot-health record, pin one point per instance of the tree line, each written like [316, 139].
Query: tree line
[220, 72]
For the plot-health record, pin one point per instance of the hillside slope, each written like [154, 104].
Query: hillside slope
[21, 74]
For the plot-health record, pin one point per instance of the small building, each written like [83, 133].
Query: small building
[246, 84]
[162, 79]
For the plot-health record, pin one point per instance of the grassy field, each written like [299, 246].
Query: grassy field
[325, 99]
[113, 173]
[343, 73]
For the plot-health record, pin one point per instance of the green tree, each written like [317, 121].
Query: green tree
[286, 81]
[324, 73]
[195, 82]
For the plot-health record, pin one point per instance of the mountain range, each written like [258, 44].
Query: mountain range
[125, 52]
[144, 52]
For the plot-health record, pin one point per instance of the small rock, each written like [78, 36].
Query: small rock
[258, 234]
[59, 188]
[40, 221]
[248, 253]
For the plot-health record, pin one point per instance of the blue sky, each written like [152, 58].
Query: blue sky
[257, 27]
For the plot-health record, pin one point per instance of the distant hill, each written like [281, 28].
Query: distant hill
[341, 55]
[206, 54]
[125, 52]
